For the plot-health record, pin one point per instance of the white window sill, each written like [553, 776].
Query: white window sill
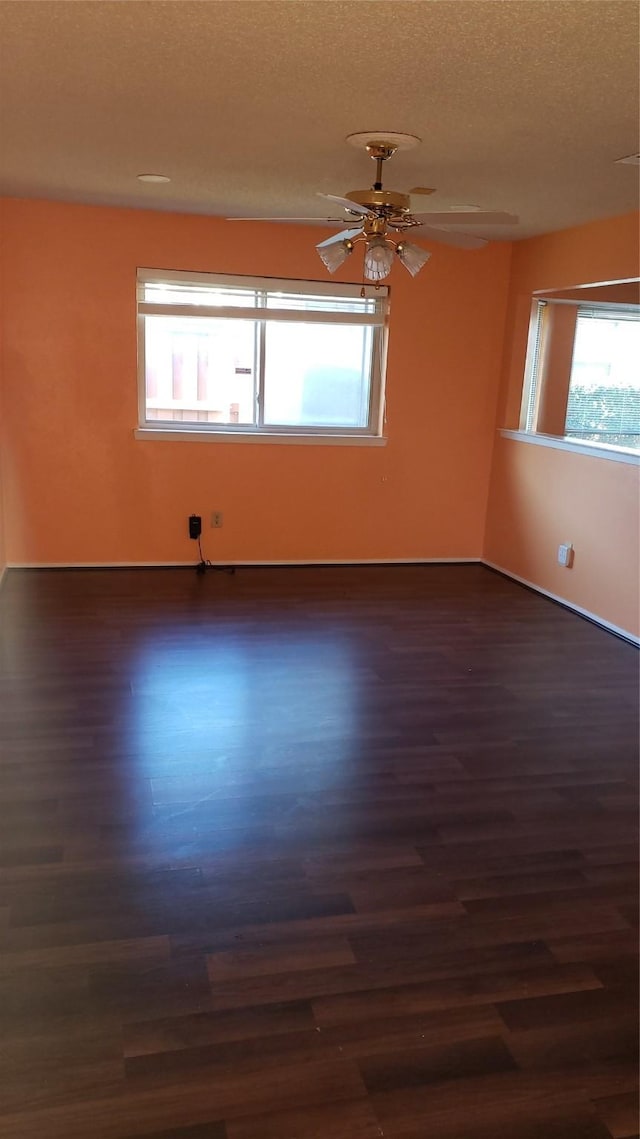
[562, 443]
[170, 435]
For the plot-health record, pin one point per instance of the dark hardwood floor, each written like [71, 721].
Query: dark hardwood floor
[314, 854]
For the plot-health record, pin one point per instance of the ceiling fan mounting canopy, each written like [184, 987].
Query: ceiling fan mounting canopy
[362, 140]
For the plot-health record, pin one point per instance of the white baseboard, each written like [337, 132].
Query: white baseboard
[624, 633]
[97, 565]
[288, 562]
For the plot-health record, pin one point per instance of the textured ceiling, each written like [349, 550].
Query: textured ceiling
[522, 105]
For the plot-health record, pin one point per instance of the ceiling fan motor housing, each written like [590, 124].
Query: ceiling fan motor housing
[384, 200]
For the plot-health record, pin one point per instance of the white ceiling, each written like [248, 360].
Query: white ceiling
[522, 105]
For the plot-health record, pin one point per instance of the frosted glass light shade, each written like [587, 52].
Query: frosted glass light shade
[333, 256]
[378, 259]
[412, 256]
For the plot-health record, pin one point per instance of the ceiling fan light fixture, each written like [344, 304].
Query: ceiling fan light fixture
[412, 256]
[333, 256]
[378, 259]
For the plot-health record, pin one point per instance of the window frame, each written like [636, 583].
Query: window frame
[377, 319]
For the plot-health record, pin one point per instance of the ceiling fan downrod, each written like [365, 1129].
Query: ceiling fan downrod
[380, 152]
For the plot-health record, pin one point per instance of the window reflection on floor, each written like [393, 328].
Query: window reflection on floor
[209, 717]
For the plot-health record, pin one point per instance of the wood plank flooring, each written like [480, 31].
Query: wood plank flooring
[314, 854]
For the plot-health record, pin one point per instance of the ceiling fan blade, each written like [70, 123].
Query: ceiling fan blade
[332, 221]
[345, 235]
[346, 202]
[458, 240]
[451, 217]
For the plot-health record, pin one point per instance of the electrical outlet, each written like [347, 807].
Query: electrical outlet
[565, 555]
[195, 526]
[216, 519]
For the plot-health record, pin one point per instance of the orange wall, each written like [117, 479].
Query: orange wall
[3, 555]
[80, 488]
[541, 497]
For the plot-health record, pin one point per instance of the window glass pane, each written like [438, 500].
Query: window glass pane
[604, 393]
[199, 370]
[317, 375]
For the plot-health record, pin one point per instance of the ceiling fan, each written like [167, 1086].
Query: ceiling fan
[374, 214]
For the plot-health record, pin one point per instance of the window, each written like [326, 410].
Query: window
[582, 376]
[253, 356]
[604, 389]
